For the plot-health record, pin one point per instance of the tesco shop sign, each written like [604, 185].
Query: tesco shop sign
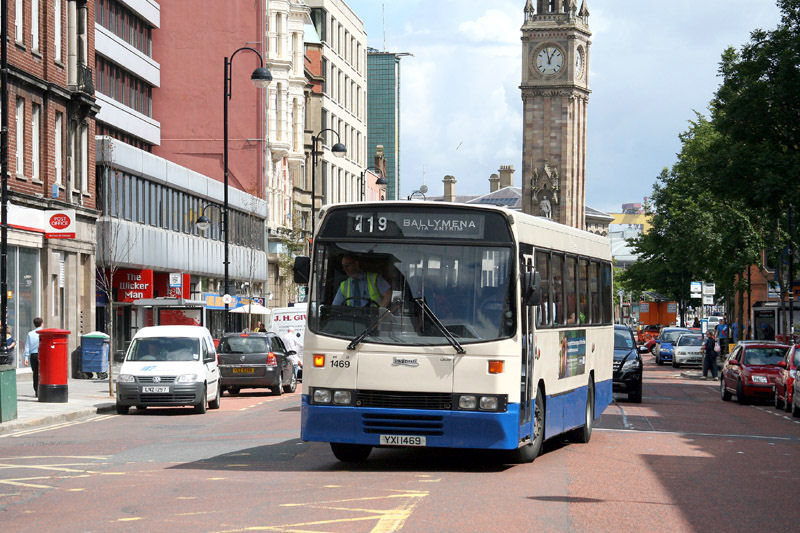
[60, 224]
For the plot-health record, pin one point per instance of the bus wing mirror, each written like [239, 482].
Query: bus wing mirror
[302, 269]
[532, 288]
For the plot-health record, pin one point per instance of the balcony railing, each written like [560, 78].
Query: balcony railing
[85, 80]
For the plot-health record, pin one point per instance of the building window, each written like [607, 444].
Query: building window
[36, 113]
[125, 24]
[20, 136]
[57, 30]
[18, 21]
[34, 24]
[59, 149]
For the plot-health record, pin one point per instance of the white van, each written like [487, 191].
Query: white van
[169, 366]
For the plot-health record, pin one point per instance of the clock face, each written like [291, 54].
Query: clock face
[549, 60]
[579, 63]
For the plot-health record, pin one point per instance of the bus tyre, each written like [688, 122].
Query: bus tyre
[584, 433]
[529, 452]
[351, 453]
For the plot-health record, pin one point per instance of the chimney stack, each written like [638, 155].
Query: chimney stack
[506, 176]
[494, 179]
[449, 188]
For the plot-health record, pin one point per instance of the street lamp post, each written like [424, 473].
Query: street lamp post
[339, 150]
[261, 77]
[380, 181]
[4, 171]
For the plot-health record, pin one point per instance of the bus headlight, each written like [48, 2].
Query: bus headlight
[477, 402]
[488, 403]
[467, 402]
[342, 397]
[322, 396]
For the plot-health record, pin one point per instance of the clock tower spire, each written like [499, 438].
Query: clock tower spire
[555, 94]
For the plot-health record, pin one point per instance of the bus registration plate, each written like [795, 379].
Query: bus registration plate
[402, 440]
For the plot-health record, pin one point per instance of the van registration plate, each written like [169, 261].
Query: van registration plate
[162, 388]
[402, 440]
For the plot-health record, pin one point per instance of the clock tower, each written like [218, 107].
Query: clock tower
[555, 94]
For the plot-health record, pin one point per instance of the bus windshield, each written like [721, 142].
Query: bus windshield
[390, 290]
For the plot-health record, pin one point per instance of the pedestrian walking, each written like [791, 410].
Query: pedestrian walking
[723, 336]
[292, 344]
[32, 352]
[735, 331]
[696, 323]
[710, 358]
[259, 327]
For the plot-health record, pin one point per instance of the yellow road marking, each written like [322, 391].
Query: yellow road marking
[20, 484]
[129, 519]
[75, 490]
[388, 520]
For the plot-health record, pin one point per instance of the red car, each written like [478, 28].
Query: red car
[786, 376]
[751, 370]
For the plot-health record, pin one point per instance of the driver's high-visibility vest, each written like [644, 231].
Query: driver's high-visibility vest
[372, 287]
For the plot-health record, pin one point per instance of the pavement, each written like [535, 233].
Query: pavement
[85, 397]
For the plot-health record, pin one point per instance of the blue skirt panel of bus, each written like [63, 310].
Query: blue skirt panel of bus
[566, 411]
[447, 429]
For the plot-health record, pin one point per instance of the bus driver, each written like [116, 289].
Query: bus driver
[361, 288]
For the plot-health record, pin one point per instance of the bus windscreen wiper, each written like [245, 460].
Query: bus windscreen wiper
[438, 323]
[355, 342]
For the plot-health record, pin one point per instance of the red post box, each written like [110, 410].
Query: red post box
[53, 357]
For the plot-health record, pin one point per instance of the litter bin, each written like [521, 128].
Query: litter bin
[8, 393]
[94, 352]
[53, 358]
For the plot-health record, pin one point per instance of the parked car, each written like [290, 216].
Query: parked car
[796, 398]
[784, 382]
[169, 366]
[665, 343]
[688, 350]
[751, 370]
[255, 360]
[627, 364]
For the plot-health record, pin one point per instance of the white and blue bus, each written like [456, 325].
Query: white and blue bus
[458, 326]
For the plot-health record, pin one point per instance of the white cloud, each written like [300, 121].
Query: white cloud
[494, 27]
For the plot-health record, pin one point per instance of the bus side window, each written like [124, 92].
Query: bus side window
[544, 316]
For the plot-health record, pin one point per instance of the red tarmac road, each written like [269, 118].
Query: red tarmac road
[682, 460]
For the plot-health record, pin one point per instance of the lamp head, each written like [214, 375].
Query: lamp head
[203, 223]
[339, 150]
[261, 77]
[381, 181]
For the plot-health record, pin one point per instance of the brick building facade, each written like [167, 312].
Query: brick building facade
[50, 117]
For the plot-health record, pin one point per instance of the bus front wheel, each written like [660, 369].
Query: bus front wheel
[529, 452]
[351, 453]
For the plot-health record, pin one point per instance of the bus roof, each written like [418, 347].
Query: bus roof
[527, 228]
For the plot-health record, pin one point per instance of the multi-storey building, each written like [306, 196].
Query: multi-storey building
[344, 102]
[383, 112]
[50, 117]
[160, 154]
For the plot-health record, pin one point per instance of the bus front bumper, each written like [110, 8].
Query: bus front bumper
[444, 429]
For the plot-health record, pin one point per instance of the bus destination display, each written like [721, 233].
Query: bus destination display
[443, 226]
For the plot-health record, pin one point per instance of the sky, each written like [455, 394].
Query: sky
[653, 64]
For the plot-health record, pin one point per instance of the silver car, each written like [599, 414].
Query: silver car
[688, 350]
